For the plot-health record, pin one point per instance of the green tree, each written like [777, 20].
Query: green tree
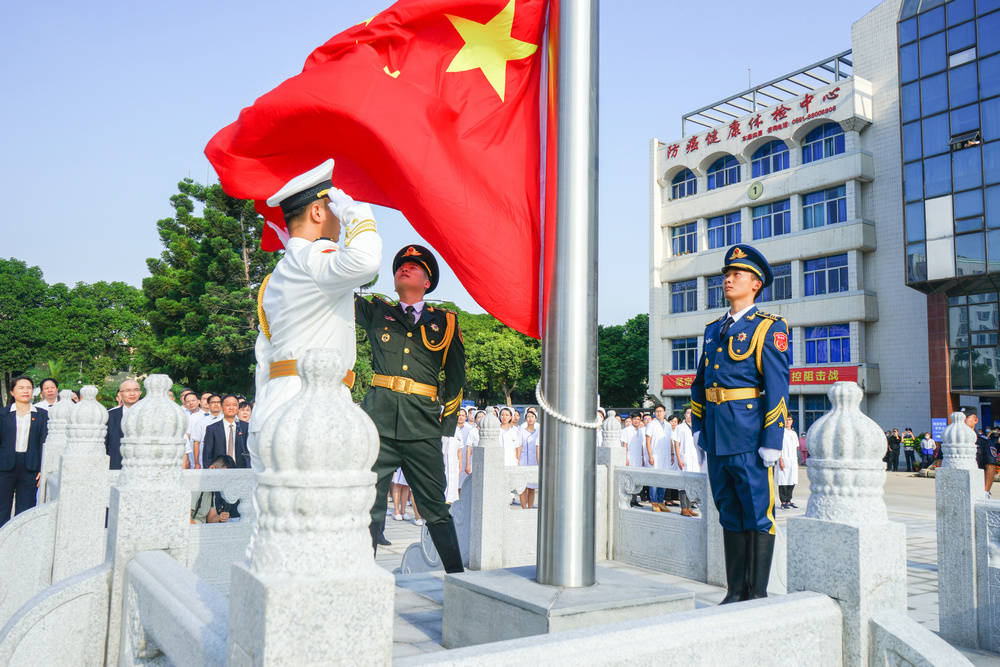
[501, 361]
[623, 362]
[202, 291]
[23, 295]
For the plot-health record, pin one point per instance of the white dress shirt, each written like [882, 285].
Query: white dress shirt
[23, 429]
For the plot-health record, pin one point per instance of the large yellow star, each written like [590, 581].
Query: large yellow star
[488, 47]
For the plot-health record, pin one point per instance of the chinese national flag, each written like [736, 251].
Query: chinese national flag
[432, 108]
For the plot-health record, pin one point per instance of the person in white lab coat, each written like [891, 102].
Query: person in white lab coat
[788, 466]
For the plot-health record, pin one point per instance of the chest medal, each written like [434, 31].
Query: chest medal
[741, 337]
[385, 338]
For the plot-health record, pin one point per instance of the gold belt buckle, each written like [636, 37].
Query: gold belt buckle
[401, 384]
[715, 394]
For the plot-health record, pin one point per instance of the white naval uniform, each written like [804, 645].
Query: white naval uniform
[790, 456]
[309, 303]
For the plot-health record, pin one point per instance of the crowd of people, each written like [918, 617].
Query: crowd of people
[919, 450]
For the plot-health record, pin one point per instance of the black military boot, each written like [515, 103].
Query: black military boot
[736, 547]
[446, 542]
[377, 530]
[759, 572]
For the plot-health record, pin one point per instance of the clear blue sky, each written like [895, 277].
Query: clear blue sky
[109, 104]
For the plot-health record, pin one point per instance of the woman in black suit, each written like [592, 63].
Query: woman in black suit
[23, 429]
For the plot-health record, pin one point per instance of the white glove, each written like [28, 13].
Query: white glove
[339, 202]
[770, 456]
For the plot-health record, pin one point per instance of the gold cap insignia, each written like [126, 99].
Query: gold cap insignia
[411, 252]
[738, 254]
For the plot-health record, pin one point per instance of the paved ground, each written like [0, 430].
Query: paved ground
[909, 499]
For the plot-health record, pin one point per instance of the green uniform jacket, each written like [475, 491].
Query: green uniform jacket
[401, 349]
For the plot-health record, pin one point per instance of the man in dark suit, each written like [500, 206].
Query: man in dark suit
[228, 436]
[23, 429]
[128, 393]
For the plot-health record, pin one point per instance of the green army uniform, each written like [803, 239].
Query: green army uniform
[412, 407]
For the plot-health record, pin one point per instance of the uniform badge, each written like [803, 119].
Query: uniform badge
[781, 341]
[737, 254]
[435, 327]
[707, 341]
[390, 318]
[742, 336]
[385, 338]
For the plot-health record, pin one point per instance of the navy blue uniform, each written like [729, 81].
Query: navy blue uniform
[752, 360]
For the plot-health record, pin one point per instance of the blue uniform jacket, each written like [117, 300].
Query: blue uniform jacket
[754, 354]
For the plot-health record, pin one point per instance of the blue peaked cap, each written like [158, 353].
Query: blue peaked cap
[748, 258]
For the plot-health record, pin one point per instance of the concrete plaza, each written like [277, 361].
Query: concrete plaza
[909, 499]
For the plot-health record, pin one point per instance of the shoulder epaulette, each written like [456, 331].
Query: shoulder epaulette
[771, 316]
[717, 319]
[383, 300]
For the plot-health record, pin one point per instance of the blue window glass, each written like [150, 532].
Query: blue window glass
[910, 101]
[993, 251]
[964, 85]
[911, 141]
[913, 181]
[991, 162]
[960, 10]
[822, 142]
[934, 94]
[781, 288]
[824, 207]
[915, 222]
[983, 6]
[967, 204]
[724, 230]
[967, 168]
[933, 55]
[684, 296]
[724, 171]
[992, 196]
[931, 22]
[828, 344]
[908, 70]
[684, 239]
[965, 119]
[936, 134]
[968, 224]
[769, 158]
[970, 254]
[909, 9]
[961, 37]
[683, 184]
[989, 26]
[991, 119]
[989, 77]
[916, 262]
[715, 298]
[685, 354]
[907, 31]
[771, 219]
[825, 275]
[937, 176]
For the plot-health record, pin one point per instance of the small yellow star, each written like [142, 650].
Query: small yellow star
[488, 47]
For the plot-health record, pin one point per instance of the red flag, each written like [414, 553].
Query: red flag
[431, 107]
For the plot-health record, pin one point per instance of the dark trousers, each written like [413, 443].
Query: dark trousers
[17, 487]
[743, 489]
[894, 459]
[685, 502]
[423, 467]
[928, 459]
[785, 493]
[911, 459]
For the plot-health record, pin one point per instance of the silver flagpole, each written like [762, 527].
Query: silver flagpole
[569, 346]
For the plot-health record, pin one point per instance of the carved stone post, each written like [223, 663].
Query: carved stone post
[83, 486]
[958, 485]
[311, 592]
[845, 546]
[150, 505]
[611, 455]
[55, 442]
[488, 498]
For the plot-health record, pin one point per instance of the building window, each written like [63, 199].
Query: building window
[684, 296]
[825, 275]
[824, 207]
[715, 297]
[724, 171]
[973, 323]
[781, 288]
[823, 142]
[830, 344]
[769, 158]
[815, 407]
[724, 230]
[962, 57]
[683, 184]
[685, 353]
[684, 238]
[772, 219]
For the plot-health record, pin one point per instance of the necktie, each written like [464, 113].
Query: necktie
[231, 442]
[411, 313]
[725, 326]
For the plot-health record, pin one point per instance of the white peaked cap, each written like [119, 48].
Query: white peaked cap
[304, 188]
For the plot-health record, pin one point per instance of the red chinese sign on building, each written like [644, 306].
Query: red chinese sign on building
[797, 376]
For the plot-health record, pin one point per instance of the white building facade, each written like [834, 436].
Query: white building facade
[807, 169]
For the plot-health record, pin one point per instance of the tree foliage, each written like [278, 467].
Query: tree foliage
[623, 358]
[202, 291]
